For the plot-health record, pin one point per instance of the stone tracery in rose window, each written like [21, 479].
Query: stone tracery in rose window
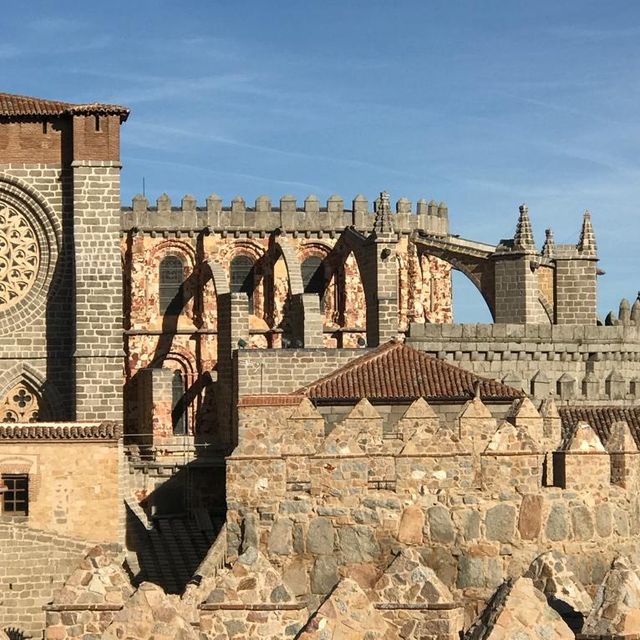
[19, 256]
[21, 404]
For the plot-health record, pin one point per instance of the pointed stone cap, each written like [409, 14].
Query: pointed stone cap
[304, 433]
[523, 409]
[587, 243]
[420, 409]
[624, 311]
[551, 574]
[540, 376]
[382, 224]
[512, 379]
[523, 238]
[346, 613]
[306, 411]
[549, 246]
[621, 440]
[364, 410]
[163, 203]
[408, 581]
[519, 610]
[475, 409]
[509, 438]
[549, 409]
[616, 606]
[584, 439]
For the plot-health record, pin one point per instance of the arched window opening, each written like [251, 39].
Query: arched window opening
[243, 277]
[178, 404]
[171, 299]
[313, 278]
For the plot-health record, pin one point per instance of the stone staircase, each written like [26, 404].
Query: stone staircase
[170, 551]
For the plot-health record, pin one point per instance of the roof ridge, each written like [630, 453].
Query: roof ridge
[398, 370]
[13, 105]
[375, 353]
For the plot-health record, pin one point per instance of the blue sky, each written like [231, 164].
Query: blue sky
[482, 104]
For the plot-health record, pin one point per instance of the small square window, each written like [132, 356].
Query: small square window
[15, 499]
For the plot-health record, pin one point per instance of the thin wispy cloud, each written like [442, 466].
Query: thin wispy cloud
[230, 174]
[152, 141]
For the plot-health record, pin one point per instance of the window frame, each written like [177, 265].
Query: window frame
[173, 288]
[248, 284]
[10, 494]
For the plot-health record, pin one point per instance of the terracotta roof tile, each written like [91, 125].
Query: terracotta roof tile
[21, 107]
[396, 371]
[600, 419]
[60, 431]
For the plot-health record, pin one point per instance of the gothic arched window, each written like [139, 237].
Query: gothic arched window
[171, 299]
[178, 404]
[243, 277]
[313, 275]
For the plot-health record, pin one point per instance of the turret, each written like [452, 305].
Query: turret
[576, 274]
[516, 286]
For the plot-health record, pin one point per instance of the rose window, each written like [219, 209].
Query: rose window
[19, 256]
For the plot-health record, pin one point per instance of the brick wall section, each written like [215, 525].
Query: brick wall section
[33, 564]
[520, 352]
[516, 291]
[576, 290]
[286, 370]
[98, 356]
[33, 142]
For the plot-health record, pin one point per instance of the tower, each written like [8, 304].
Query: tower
[60, 266]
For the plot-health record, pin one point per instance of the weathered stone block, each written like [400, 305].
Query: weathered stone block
[440, 524]
[324, 575]
[530, 521]
[581, 523]
[320, 536]
[281, 537]
[411, 526]
[357, 544]
[500, 523]
[557, 524]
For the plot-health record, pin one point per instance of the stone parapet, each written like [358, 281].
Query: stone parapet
[575, 363]
[262, 217]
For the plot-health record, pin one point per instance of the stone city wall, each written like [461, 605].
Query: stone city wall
[479, 499]
[33, 565]
[588, 364]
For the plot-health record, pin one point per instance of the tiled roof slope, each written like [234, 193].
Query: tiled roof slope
[600, 418]
[395, 371]
[22, 107]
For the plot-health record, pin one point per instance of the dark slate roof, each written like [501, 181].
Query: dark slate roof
[600, 419]
[25, 107]
[395, 371]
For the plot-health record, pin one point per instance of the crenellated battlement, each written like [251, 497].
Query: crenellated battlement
[263, 215]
